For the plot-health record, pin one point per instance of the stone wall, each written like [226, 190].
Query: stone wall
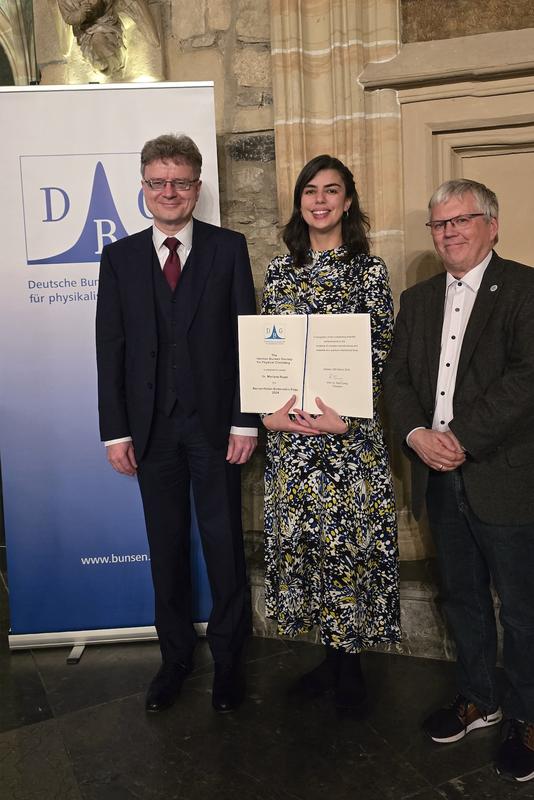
[426, 20]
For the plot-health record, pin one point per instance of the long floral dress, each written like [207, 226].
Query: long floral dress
[330, 522]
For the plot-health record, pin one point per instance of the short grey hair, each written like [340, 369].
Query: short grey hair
[171, 147]
[485, 199]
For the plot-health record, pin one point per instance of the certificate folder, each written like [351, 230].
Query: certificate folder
[314, 355]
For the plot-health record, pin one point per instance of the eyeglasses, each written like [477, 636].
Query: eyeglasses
[461, 221]
[158, 184]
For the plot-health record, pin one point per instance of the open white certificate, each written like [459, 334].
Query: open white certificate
[315, 355]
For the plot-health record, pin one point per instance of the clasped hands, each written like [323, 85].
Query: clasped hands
[439, 450]
[303, 422]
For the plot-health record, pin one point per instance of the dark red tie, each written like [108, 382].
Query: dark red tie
[172, 268]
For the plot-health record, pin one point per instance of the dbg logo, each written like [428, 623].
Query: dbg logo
[69, 221]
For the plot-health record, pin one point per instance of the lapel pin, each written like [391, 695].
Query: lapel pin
[494, 288]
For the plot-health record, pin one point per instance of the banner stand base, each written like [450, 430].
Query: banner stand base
[78, 640]
[75, 654]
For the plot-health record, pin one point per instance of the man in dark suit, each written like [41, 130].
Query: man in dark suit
[166, 331]
[460, 388]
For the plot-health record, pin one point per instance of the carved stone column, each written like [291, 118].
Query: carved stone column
[16, 39]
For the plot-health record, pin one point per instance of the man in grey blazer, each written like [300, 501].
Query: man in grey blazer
[459, 384]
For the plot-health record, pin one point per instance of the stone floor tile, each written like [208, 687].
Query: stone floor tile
[109, 672]
[35, 765]
[105, 673]
[276, 746]
[404, 692]
[23, 696]
[102, 746]
[484, 784]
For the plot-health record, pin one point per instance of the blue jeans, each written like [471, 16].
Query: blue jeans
[471, 555]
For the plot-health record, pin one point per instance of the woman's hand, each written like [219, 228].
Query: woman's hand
[281, 421]
[328, 422]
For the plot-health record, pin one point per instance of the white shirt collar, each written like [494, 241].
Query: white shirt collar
[473, 278]
[185, 236]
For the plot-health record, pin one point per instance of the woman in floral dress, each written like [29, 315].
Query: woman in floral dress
[330, 521]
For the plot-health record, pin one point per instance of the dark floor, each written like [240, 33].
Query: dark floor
[69, 732]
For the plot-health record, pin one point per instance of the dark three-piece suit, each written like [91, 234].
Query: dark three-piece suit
[168, 377]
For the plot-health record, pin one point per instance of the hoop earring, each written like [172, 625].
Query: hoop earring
[346, 214]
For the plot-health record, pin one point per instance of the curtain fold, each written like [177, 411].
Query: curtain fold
[319, 48]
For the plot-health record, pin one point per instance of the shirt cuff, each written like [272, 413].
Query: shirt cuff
[118, 441]
[420, 428]
[244, 431]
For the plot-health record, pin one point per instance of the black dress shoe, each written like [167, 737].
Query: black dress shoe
[165, 686]
[227, 688]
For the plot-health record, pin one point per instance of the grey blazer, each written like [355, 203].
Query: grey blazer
[493, 402]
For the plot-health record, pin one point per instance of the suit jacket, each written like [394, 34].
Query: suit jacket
[493, 404]
[220, 288]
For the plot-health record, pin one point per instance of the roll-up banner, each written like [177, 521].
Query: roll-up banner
[78, 561]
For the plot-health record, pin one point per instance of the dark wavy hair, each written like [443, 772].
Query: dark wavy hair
[354, 225]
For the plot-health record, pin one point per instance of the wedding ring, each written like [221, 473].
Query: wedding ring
[441, 467]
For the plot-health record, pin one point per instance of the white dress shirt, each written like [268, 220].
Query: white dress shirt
[185, 237]
[460, 296]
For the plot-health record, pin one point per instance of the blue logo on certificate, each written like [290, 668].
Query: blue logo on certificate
[274, 335]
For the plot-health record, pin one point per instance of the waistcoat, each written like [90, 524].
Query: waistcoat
[175, 380]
